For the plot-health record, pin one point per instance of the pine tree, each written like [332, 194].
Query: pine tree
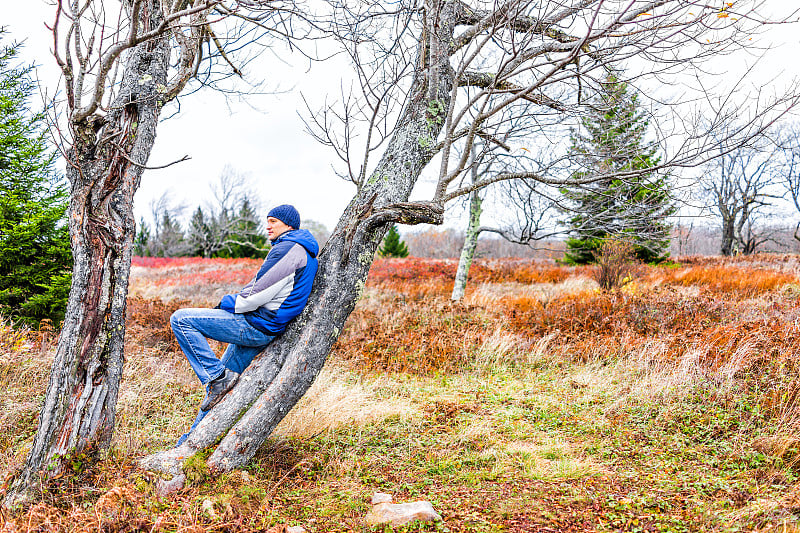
[392, 245]
[246, 238]
[35, 255]
[200, 235]
[141, 245]
[633, 209]
[168, 240]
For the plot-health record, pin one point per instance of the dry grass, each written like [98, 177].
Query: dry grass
[497, 350]
[25, 360]
[416, 336]
[738, 281]
[339, 398]
[546, 458]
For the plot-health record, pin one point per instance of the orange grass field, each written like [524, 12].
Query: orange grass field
[658, 356]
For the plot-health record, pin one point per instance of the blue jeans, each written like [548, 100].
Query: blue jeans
[191, 327]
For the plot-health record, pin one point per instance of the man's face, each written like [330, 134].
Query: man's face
[275, 228]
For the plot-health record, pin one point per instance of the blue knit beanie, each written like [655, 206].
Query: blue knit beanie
[287, 214]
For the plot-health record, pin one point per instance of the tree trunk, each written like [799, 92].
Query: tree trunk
[276, 380]
[470, 244]
[726, 246]
[78, 412]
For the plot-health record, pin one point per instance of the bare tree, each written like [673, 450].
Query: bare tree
[789, 172]
[526, 211]
[117, 77]
[454, 67]
[741, 184]
[317, 229]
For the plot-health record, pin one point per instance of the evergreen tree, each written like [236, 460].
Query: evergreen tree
[169, 240]
[634, 208]
[141, 245]
[200, 235]
[246, 238]
[392, 245]
[35, 255]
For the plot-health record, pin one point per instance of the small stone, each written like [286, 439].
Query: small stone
[399, 514]
[208, 508]
[164, 487]
[283, 528]
[381, 497]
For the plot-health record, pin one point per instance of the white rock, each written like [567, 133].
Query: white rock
[208, 508]
[295, 529]
[398, 514]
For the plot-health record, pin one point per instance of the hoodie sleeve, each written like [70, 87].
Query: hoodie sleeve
[275, 279]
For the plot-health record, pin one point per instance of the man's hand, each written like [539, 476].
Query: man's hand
[228, 303]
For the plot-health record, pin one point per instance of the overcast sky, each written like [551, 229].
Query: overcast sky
[264, 138]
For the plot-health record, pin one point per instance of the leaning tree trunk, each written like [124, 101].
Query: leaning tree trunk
[274, 382]
[104, 167]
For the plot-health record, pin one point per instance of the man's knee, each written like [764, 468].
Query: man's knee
[176, 318]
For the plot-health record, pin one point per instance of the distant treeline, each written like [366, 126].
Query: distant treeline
[228, 232]
[684, 240]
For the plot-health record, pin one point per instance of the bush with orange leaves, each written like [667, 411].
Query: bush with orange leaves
[708, 307]
[148, 321]
[735, 280]
[414, 336]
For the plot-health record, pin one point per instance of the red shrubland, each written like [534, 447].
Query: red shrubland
[415, 328]
[420, 331]
[728, 279]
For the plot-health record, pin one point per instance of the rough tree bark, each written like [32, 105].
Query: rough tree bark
[104, 167]
[726, 242]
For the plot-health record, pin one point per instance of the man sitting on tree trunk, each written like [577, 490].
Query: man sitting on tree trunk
[249, 320]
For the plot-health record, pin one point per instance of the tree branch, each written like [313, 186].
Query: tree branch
[487, 80]
[482, 20]
[111, 56]
[407, 213]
